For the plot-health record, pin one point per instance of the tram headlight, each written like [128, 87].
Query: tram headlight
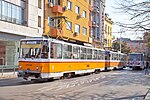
[20, 67]
[37, 68]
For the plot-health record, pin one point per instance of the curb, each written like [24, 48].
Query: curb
[8, 75]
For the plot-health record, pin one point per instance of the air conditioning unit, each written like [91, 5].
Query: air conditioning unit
[76, 33]
[79, 16]
[95, 10]
[50, 4]
[65, 8]
[94, 23]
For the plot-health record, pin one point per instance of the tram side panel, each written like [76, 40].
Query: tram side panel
[77, 67]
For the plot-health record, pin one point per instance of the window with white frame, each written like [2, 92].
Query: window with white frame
[77, 10]
[89, 53]
[83, 53]
[69, 25]
[76, 52]
[67, 51]
[69, 5]
[84, 31]
[51, 1]
[77, 28]
[84, 14]
[11, 13]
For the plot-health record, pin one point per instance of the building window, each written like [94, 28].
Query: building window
[0, 9]
[39, 21]
[84, 31]
[40, 4]
[58, 24]
[58, 2]
[84, 14]
[11, 13]
[69, 5]
[77, 28]
[50, 21]
[69, 25]
[77, 10]
[51, 1]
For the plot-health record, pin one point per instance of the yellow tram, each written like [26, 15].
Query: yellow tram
[50, 58]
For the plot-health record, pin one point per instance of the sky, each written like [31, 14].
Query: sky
[111, 11]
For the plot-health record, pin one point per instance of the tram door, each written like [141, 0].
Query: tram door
[107, 60]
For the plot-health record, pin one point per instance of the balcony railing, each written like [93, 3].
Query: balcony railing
[56, 32]
[57, 9]
[12, 20]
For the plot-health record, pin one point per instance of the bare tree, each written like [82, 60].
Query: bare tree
[138, 12]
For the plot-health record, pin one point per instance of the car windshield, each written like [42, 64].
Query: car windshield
[34, 49]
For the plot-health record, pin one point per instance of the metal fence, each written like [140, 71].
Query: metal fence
[8, 68]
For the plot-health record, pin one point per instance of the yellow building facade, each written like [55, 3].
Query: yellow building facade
[67, 19]
[108, 32]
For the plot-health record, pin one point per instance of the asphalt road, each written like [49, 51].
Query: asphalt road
[113, 85]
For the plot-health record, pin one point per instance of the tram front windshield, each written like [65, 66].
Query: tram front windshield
[34, 49]
[136, 57]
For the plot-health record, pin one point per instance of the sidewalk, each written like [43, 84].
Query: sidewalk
[8, 75]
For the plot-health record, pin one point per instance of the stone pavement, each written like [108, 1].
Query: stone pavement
[14, 75]
[8, 75]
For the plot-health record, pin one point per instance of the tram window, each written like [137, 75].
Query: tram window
[89, 54]
[99, 55]
[115, 56]
[76, 52]
[119, 57]
[94, 54]
[83, 53]
[111, 56]
[56, 51]
[103, 55]
[44, 53]
[67, 51]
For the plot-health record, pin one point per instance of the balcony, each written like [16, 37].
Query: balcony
[90, 23]
[90, 8]
[55, 32]
[57, 9]
[94, 24]
[95, 10]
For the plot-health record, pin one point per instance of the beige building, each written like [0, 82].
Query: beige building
[108, 32]
[18, 19]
